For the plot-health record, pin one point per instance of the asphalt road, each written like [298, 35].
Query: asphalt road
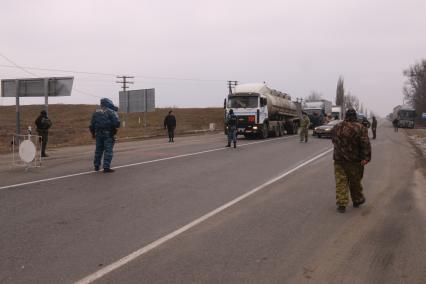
[63, 223]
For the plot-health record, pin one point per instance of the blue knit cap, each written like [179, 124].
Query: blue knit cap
[108, 104]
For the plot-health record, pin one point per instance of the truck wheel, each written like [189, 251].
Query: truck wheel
[296, 128]
[277, 131]
[290, 129]
[265, 131]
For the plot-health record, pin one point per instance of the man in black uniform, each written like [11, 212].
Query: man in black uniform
[170, 124]
[43, 124]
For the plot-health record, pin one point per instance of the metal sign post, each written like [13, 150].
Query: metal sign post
[18, 116]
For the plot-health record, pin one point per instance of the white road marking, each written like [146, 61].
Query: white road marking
[123, 261]
[136, 164]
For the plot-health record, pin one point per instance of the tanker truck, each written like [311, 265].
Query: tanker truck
[263, 112]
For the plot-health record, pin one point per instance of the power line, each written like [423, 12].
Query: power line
[33, 74]
[110, 74]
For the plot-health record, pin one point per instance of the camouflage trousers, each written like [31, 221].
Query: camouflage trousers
[304, 134]
[348, 178]
[232, 135]
[104, 147]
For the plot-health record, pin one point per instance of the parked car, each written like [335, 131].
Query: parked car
[326, 129]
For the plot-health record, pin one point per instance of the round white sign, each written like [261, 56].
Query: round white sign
[27, 151]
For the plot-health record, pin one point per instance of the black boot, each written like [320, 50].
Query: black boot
[229, 145]
[235, 144]
[341, 209]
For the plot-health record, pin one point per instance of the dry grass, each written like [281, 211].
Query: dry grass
[70, 123]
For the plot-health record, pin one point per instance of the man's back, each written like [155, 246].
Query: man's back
[351, 142]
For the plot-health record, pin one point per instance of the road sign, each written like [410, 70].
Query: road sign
[36, 87]
[137, 101]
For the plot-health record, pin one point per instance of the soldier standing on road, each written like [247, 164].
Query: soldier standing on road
[170, 124]
[352, 151]
[304, 127]
[103, 127]
[231, 123]
[374, 127]
[43, 124]
[395, 124]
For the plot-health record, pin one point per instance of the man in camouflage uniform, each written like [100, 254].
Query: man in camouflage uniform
[304, 127]
[43, 124]
[103, 127]
[231, 123]
[352, 151]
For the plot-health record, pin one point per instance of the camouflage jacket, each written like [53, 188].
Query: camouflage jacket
[351, 142]
[305, 122]
[104, 119]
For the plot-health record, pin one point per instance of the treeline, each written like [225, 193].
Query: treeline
[415, 87]
[349, 100]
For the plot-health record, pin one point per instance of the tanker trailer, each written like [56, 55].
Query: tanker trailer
[263, 112]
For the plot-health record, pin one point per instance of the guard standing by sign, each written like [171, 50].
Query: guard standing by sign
[43, 124]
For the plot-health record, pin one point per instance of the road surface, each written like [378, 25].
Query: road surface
[195, 212]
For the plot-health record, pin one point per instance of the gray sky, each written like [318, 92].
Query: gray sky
[295, 46]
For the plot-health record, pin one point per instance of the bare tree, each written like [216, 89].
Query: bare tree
[351, 101]
[415, 86]
[340, 92]
[314, 96]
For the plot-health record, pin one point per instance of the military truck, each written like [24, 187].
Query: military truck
[406, 116]
[317, 110]
[262, 111]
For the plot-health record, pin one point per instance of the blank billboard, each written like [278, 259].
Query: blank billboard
[137, 101]
[34, 87]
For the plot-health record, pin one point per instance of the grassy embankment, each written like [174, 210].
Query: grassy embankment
[70, 123]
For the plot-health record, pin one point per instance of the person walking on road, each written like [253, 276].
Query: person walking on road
[395, 124]
[43, 124]
[231, 123]
[170, 124]
[103, 127]
[352, 151]
[374, 127]
[304, 127]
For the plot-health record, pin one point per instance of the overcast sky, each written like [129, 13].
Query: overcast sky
[294, 46]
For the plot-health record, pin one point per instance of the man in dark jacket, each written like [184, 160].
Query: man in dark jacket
[231, 123]
[103, 127]
[374, 127]
[352, 151]
[170, 124]
[43, 124]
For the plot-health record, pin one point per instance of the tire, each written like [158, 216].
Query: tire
[264, 131]
[277, 131]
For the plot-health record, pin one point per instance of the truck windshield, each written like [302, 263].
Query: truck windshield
[243, 102]
[313, 111]
[407, 114]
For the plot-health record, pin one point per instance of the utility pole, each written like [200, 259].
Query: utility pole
[124, 82]
[230, 85]
[124, 87]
